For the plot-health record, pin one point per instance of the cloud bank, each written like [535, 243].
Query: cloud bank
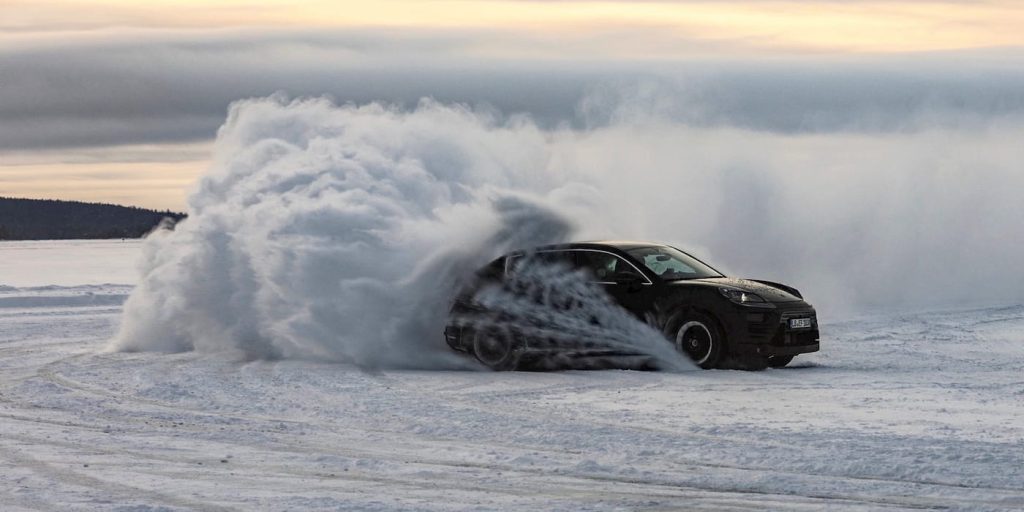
[174, 86]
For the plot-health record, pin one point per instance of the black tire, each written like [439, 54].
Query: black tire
[698, 337]
[779, 361]
[496, 349]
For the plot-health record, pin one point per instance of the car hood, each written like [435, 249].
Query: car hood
[768, 293]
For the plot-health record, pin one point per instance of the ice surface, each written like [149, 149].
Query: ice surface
[898, 411]
[68, 262]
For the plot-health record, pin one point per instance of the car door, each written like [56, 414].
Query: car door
[623, 282]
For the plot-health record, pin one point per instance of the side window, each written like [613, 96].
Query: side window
[512, 263]
[605, 267]
[519, 261]
[493, 271]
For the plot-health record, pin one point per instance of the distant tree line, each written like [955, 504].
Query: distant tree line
[50, 219]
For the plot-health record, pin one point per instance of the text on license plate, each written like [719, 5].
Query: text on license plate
[799, 323]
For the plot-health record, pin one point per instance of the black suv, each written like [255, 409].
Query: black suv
[717, 321]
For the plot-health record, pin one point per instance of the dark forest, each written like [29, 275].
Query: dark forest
[49, 219]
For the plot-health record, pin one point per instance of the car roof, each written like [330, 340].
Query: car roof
[622, 245]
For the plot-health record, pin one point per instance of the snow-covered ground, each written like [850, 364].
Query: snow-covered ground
[899, 411]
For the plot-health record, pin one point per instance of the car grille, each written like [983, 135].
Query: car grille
[787, 336]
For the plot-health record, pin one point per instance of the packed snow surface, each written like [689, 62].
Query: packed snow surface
[898, 411]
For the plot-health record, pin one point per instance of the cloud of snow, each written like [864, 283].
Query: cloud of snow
[555, 306]
[922, 218]
[341, 233]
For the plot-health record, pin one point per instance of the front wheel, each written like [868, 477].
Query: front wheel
[496, 349]
[699, 338]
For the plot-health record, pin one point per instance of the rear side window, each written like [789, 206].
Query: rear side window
[493, 270]
[517, 262]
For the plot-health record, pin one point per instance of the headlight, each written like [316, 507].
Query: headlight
[745, 298]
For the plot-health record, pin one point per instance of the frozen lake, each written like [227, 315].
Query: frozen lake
[68, 262]
[898, 411]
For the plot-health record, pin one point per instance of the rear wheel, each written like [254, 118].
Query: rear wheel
[496, 349]
[699, 338]
[779, 361]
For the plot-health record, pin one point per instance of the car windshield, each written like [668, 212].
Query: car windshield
[672, 264]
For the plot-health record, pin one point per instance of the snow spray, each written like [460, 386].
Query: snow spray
[341, 233]
[563, 315]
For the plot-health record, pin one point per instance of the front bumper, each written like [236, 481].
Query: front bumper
[774, 350]
[770, 332]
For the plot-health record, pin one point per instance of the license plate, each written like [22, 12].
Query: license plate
[799, 323]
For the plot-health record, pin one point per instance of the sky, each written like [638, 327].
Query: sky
[117, 102]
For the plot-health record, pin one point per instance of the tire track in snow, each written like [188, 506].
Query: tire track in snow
[318, 448]
[519, 413]
[448, 460]
[126, 492]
